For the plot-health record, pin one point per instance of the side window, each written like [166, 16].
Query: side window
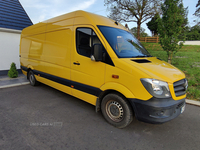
[85, 39]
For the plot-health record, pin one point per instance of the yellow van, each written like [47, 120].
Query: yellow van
[99, 61]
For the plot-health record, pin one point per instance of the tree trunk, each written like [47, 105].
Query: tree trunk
[138, 29]
[170, 57]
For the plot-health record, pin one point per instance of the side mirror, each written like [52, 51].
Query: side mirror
[97, 52]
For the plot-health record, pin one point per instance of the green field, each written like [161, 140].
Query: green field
[187, 60]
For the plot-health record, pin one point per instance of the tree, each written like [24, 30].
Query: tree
[193, 33]
[153, 24]
[137, 11]
[12, 73]
[170, 26]
[184, 13]
[142, 32]
[197, 12]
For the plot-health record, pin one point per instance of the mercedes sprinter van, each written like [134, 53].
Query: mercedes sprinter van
[99, 61]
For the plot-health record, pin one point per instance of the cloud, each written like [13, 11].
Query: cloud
[42, 10]
[84, 5]
[77, 5]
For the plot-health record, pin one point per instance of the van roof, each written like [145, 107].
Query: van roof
[93, 18]
[73, 18]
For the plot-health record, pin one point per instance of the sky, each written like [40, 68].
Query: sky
[40, 10]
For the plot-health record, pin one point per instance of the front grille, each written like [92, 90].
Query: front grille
[180, 87]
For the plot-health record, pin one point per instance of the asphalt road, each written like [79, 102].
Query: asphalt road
[44, 118]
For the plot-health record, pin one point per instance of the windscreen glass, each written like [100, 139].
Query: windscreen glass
[123, 43]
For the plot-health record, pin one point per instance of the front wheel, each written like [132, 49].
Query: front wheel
[116, 110]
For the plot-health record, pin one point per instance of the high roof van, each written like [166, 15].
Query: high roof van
[99, 61]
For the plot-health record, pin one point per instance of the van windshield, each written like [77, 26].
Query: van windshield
[124, 43]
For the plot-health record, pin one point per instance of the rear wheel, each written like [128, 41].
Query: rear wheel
[32, 79]
[116, 110]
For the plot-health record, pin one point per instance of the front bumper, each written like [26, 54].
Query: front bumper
[157, 110]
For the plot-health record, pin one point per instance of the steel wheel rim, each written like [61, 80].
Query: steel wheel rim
[114, 110]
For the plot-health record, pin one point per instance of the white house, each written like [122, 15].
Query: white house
[13, 19]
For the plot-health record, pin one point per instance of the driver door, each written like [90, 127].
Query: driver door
[87, 76]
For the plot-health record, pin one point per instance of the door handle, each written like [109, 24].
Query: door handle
[76, 63]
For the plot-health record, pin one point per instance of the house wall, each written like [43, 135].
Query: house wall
[9, 48]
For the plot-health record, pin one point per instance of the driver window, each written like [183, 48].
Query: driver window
[85, 39]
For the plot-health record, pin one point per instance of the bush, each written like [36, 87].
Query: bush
[12, 73]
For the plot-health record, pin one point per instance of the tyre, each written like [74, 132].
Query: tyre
[32, 79]
[116, 110]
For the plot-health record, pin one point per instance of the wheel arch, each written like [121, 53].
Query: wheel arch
[119, 90]
[29, 68]
[114, 86]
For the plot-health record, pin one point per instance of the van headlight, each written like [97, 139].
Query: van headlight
[156, 88]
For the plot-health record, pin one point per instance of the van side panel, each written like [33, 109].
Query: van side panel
[57, 57]
[31, 47]
[34, 29]
[24, 47]
[36, 51]
[32, 51]
[57, 47]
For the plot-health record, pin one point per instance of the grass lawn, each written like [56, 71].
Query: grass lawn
[187, 60]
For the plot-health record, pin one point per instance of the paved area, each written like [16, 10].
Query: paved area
[191, 42]
[40, 118]
[6, 81]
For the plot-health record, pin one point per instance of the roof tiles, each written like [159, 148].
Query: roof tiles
[13, 16]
